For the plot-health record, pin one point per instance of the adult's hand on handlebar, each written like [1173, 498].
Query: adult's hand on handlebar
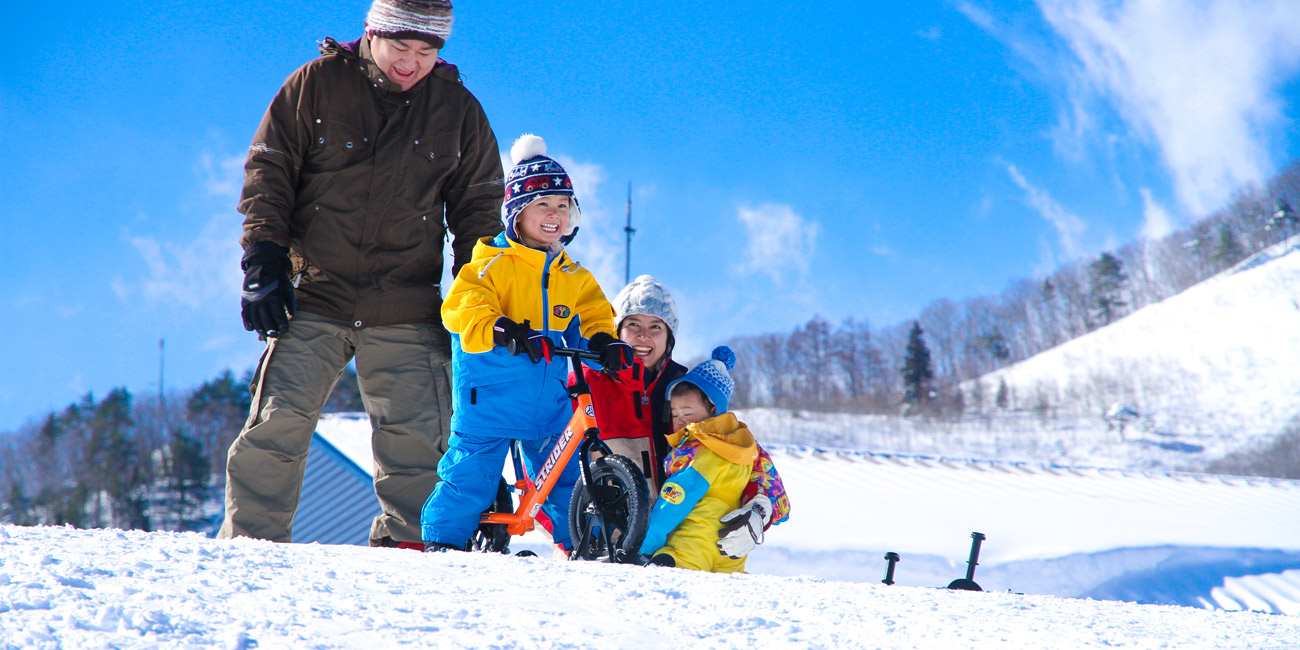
[615, 355]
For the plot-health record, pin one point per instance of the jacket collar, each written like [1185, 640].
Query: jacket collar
[502, 245]
[359, 50]
[724, 435]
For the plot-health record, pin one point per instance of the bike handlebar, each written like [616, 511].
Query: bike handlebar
[578, 353]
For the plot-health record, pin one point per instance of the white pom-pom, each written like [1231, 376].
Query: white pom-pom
[527, 146]
[725, 355]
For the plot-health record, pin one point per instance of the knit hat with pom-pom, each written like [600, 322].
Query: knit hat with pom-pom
[711, 377]
[426, 20]
[645, 296]
[533, 176]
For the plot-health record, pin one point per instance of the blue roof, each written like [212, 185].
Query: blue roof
[338, 500]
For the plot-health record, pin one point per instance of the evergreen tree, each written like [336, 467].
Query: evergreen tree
[1106, 284]
[1228, 251]
[116, 469]
[187, 469]
[214, 415]
[917, 371]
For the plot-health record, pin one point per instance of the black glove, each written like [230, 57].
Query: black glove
[615, 355]
[267, 301]
[517, 337]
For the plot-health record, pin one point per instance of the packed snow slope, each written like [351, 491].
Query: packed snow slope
[1211, 370]
[67, 588]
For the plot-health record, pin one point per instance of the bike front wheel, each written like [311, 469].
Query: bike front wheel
[608, 519]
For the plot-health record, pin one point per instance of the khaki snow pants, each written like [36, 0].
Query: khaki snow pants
[404, 376]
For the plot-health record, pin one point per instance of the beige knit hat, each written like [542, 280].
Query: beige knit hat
[426, 20]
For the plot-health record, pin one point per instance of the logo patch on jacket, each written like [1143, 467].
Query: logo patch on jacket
[673, 493]
[560, 311]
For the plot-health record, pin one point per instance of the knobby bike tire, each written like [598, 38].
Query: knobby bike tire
[627, 502]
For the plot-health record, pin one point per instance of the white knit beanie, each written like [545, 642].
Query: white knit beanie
[426, 20]
[646, 296]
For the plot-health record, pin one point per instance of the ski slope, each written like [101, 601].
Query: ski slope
[1209, 371]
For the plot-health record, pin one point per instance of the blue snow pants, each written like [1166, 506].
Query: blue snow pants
[470, 472]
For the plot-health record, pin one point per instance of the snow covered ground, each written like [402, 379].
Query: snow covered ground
[1153, 537]
[67, 588]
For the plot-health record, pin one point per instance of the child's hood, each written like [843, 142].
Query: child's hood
[724, 435]
[493, 248]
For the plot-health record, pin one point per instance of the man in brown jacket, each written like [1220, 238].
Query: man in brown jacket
[362, 163]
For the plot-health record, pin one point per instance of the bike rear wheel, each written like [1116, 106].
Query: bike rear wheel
[608, 519]
[494, 538]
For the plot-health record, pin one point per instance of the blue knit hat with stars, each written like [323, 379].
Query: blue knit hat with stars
[712, 378]
[533, 176]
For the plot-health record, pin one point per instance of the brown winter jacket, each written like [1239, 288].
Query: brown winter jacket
[352, 175]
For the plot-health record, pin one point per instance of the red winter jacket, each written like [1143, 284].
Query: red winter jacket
[628, 408]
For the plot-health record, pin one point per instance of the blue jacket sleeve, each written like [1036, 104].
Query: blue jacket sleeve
[678, 497]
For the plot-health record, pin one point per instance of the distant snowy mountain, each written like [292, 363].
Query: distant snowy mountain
[1174, 386]
[1206, 372]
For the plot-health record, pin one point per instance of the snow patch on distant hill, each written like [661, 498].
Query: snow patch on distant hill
[1208, 371]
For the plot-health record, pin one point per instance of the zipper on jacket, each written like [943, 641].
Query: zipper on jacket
[546, 298]
[638, 399]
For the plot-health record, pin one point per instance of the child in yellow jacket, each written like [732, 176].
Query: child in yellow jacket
[518, 297]
[708, 469]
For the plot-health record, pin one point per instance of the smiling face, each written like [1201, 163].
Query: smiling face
[688, 405]
[543, 222]
[405, 61]
[648, 337]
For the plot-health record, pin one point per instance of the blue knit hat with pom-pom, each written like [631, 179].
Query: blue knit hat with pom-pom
[711, 377]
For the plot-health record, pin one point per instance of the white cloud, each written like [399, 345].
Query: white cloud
[224, 177]
[203, 272]
[1198, 81]
[780, 242]
[1069, 228]
[931, 33]
[196, 274]
[599, 245]
[979, 16]
[1156, 222]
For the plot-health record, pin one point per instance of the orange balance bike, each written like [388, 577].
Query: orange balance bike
[610, 507]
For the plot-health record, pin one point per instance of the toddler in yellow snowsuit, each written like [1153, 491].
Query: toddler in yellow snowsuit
[707, 469]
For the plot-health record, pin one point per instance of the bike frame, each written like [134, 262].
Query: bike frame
[581, 433]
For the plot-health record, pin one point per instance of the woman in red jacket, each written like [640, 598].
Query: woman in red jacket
[631, 408]
[633, 414]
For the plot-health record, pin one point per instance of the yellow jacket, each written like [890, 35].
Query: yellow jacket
[708, 469]
[498, 392]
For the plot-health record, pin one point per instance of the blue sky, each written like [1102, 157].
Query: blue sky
[842, 159]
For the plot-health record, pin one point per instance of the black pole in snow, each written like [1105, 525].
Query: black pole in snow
[968, 583]
[893, 559]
